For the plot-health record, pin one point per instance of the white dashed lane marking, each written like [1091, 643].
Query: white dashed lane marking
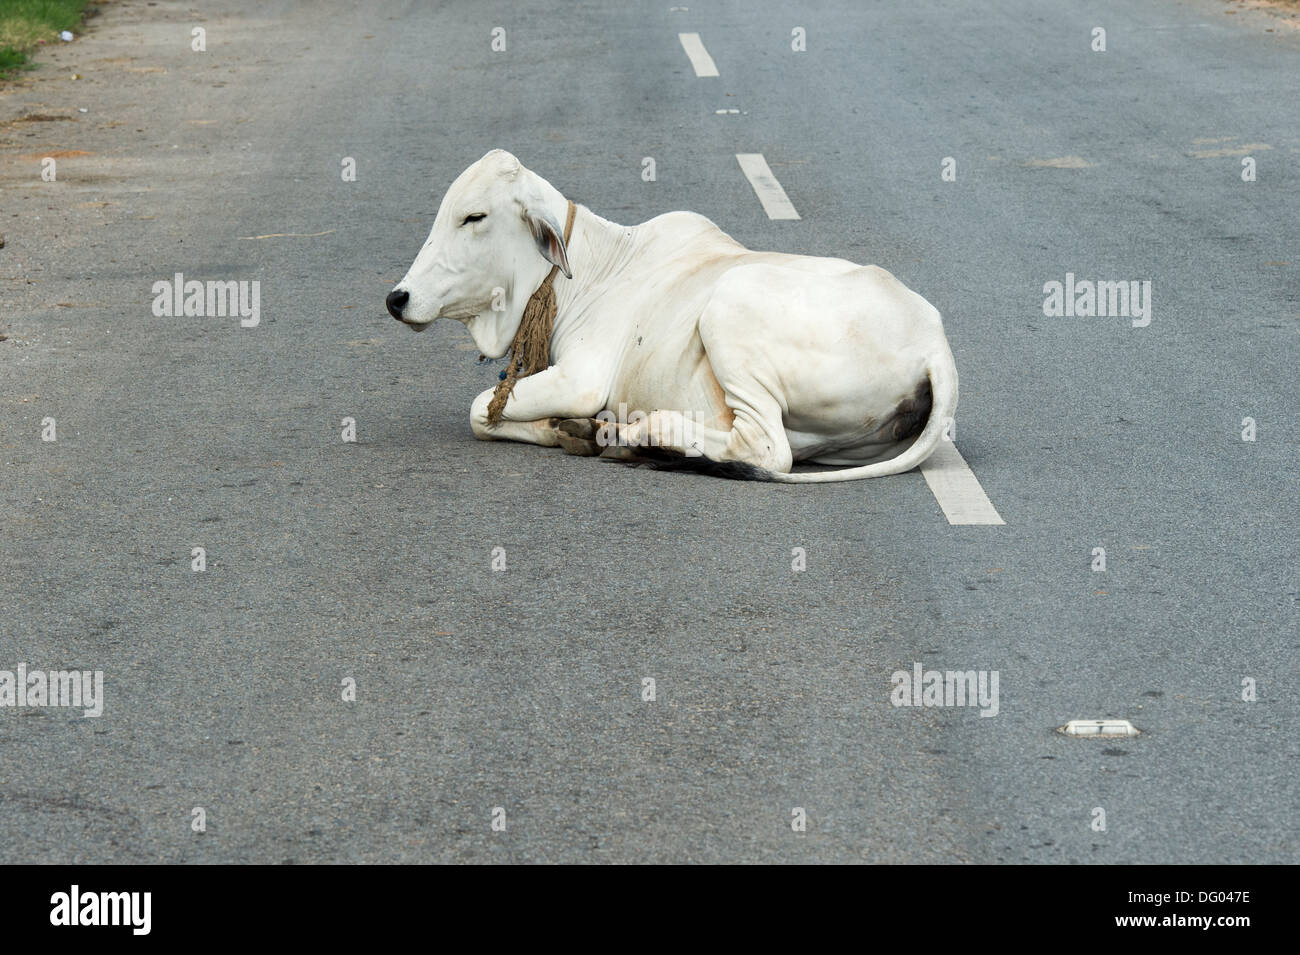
[956, 488]
[699, 56]
[776, 203]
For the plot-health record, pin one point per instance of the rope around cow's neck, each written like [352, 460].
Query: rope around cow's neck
[530, 352]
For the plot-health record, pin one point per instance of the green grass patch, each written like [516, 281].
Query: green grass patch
[25, 24]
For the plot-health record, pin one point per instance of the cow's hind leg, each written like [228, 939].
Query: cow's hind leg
[669, 431]
[636, 442]
[756, 437]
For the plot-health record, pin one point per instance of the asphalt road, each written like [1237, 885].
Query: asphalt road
[522, 689]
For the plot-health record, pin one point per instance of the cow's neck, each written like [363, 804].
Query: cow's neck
[598, 249]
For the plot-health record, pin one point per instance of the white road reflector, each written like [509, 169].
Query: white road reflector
[1104, 729]
[775, 202]
[956, 488]
[699, 57]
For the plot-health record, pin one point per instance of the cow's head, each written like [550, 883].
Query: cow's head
[499, 230]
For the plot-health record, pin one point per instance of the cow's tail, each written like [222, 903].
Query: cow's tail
[942, 372]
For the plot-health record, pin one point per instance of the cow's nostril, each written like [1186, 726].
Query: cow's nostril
[396, 301]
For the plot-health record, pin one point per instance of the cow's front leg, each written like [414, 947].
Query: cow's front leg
[535, 408]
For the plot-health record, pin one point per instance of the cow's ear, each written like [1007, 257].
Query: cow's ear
[550, 240]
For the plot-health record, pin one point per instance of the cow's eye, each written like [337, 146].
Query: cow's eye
[474, 217]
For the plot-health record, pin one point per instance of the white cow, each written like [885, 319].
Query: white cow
[773, 358]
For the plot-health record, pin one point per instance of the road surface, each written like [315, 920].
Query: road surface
[371, 561]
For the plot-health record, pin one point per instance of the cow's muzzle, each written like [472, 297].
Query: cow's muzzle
[396, 302]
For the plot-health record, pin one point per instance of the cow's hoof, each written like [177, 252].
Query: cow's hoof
[584, 428]
[578, 446]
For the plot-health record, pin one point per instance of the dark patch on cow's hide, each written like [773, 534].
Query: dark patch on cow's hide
[912, 413]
